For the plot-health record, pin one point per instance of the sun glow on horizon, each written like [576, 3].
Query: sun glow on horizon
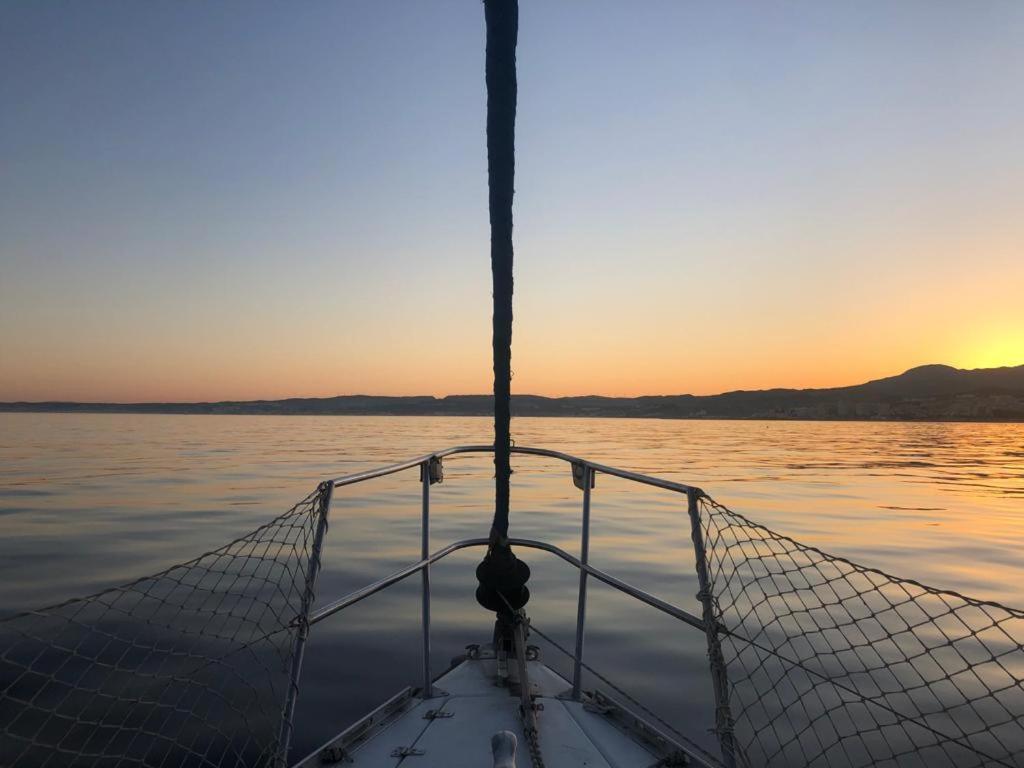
[1004, 349]
[200, 206]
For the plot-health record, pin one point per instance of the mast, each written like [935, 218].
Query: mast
[502, 17]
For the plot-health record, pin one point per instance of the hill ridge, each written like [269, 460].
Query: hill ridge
[924, 392]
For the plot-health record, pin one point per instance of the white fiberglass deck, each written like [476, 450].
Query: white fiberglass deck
[471, 703]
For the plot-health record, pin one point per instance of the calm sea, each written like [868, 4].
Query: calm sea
[89, 501]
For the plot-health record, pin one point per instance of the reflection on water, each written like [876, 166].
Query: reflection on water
[87, 501]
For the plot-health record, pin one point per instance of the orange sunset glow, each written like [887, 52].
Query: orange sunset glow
[822, 211]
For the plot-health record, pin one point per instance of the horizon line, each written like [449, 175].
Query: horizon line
[483, 395]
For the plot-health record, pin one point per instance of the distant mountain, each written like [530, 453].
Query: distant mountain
[929, 392]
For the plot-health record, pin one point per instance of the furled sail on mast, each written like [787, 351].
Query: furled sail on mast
[502, 33]
[502, 576]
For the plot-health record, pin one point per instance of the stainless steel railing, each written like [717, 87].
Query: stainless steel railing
[770, 599]
[603, 469]
[584, 473]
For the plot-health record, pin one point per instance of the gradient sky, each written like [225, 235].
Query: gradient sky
[247, 199]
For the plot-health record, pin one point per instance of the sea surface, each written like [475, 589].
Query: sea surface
[91, 501]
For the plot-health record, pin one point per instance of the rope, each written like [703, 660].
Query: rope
[533, 745]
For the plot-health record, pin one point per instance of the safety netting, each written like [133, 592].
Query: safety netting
[823, 662]
[830, 663]
[191, 666]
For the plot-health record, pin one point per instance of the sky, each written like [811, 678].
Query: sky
[238, 200]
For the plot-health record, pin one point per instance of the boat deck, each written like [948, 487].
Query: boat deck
[471, 702]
